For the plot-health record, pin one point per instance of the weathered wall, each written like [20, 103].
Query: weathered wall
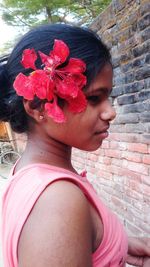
[120, 170]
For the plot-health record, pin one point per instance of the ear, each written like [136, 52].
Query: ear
[37, 115]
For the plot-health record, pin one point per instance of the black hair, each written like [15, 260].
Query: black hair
[83, 44]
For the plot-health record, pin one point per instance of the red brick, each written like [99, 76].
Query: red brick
[114, 137]
[133, 213]
[108, 191]
[119, 187]
[107, 160]
[135, 186]
[146, 189]
[146, 199]
[78, 165]
[127, 199]
[100, 166]
[138, 204]
[141, 148]
[117, 193]
[132, 156]
[105, 174]
[101, 152]
[75, 151]
[131, 174]
[125, 137]
[145, 139]
[114, 170]
[105, 183]
[146, 211]
[105, 197]
[100, 160]
[133, 194]
[133, 229]
[137, 167]
[122, 145]
[146, 159]
[92, 171]
[143, 226]
[105, 144]
[145, 179]
[112, 153]
[114, 144]
[92, 157]
[118, 203]
[97, 152]
[118, 145]
[89, 163]
[116, 162]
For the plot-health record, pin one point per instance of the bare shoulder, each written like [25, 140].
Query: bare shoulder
[58, 231]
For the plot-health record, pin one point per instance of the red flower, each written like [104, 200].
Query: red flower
[42, 84]
[66, 88]
[56, 57]
[79, 79]
[55, 112]
[28, 59]
[23, 86]
[77, 104]
[53, 80]
[60, 52]
[75, 65]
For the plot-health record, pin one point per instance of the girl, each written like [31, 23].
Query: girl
[55, 86]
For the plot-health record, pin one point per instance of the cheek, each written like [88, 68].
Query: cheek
[91, 117]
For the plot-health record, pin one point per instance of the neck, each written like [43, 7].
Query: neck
[47, 151]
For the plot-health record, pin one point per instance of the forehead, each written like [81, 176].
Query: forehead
[102, 80]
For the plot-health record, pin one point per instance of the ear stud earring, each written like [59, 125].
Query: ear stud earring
[41, 117]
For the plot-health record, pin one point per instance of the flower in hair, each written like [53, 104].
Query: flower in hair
[53, 81]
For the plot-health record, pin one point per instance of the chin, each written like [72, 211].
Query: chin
[93, 147]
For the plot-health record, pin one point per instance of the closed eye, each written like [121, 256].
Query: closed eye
[94, 99]
[98, 96]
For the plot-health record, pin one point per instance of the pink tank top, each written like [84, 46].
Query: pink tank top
[22, 192]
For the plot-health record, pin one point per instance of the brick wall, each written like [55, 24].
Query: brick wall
[120, 169]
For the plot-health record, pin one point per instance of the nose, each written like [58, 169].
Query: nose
[108, 113]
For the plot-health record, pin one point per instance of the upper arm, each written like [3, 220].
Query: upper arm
[58, 231]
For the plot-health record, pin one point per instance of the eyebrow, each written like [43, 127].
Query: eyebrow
[99, 90]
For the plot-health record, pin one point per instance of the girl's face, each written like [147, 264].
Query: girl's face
[87, 130]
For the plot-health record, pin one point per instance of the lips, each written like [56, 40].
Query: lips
[101, 135]
[104, 130]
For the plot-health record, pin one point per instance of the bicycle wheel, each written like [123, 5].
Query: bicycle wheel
[9, 157]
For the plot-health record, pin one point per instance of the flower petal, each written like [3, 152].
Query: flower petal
[47, 61]
[55, 112]
[28, 59]
[43, 85]
[75, 65]
[50, 89]
[79, 79]
[78, 104]
[66, 88]
[23, 86]
[60, 52]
